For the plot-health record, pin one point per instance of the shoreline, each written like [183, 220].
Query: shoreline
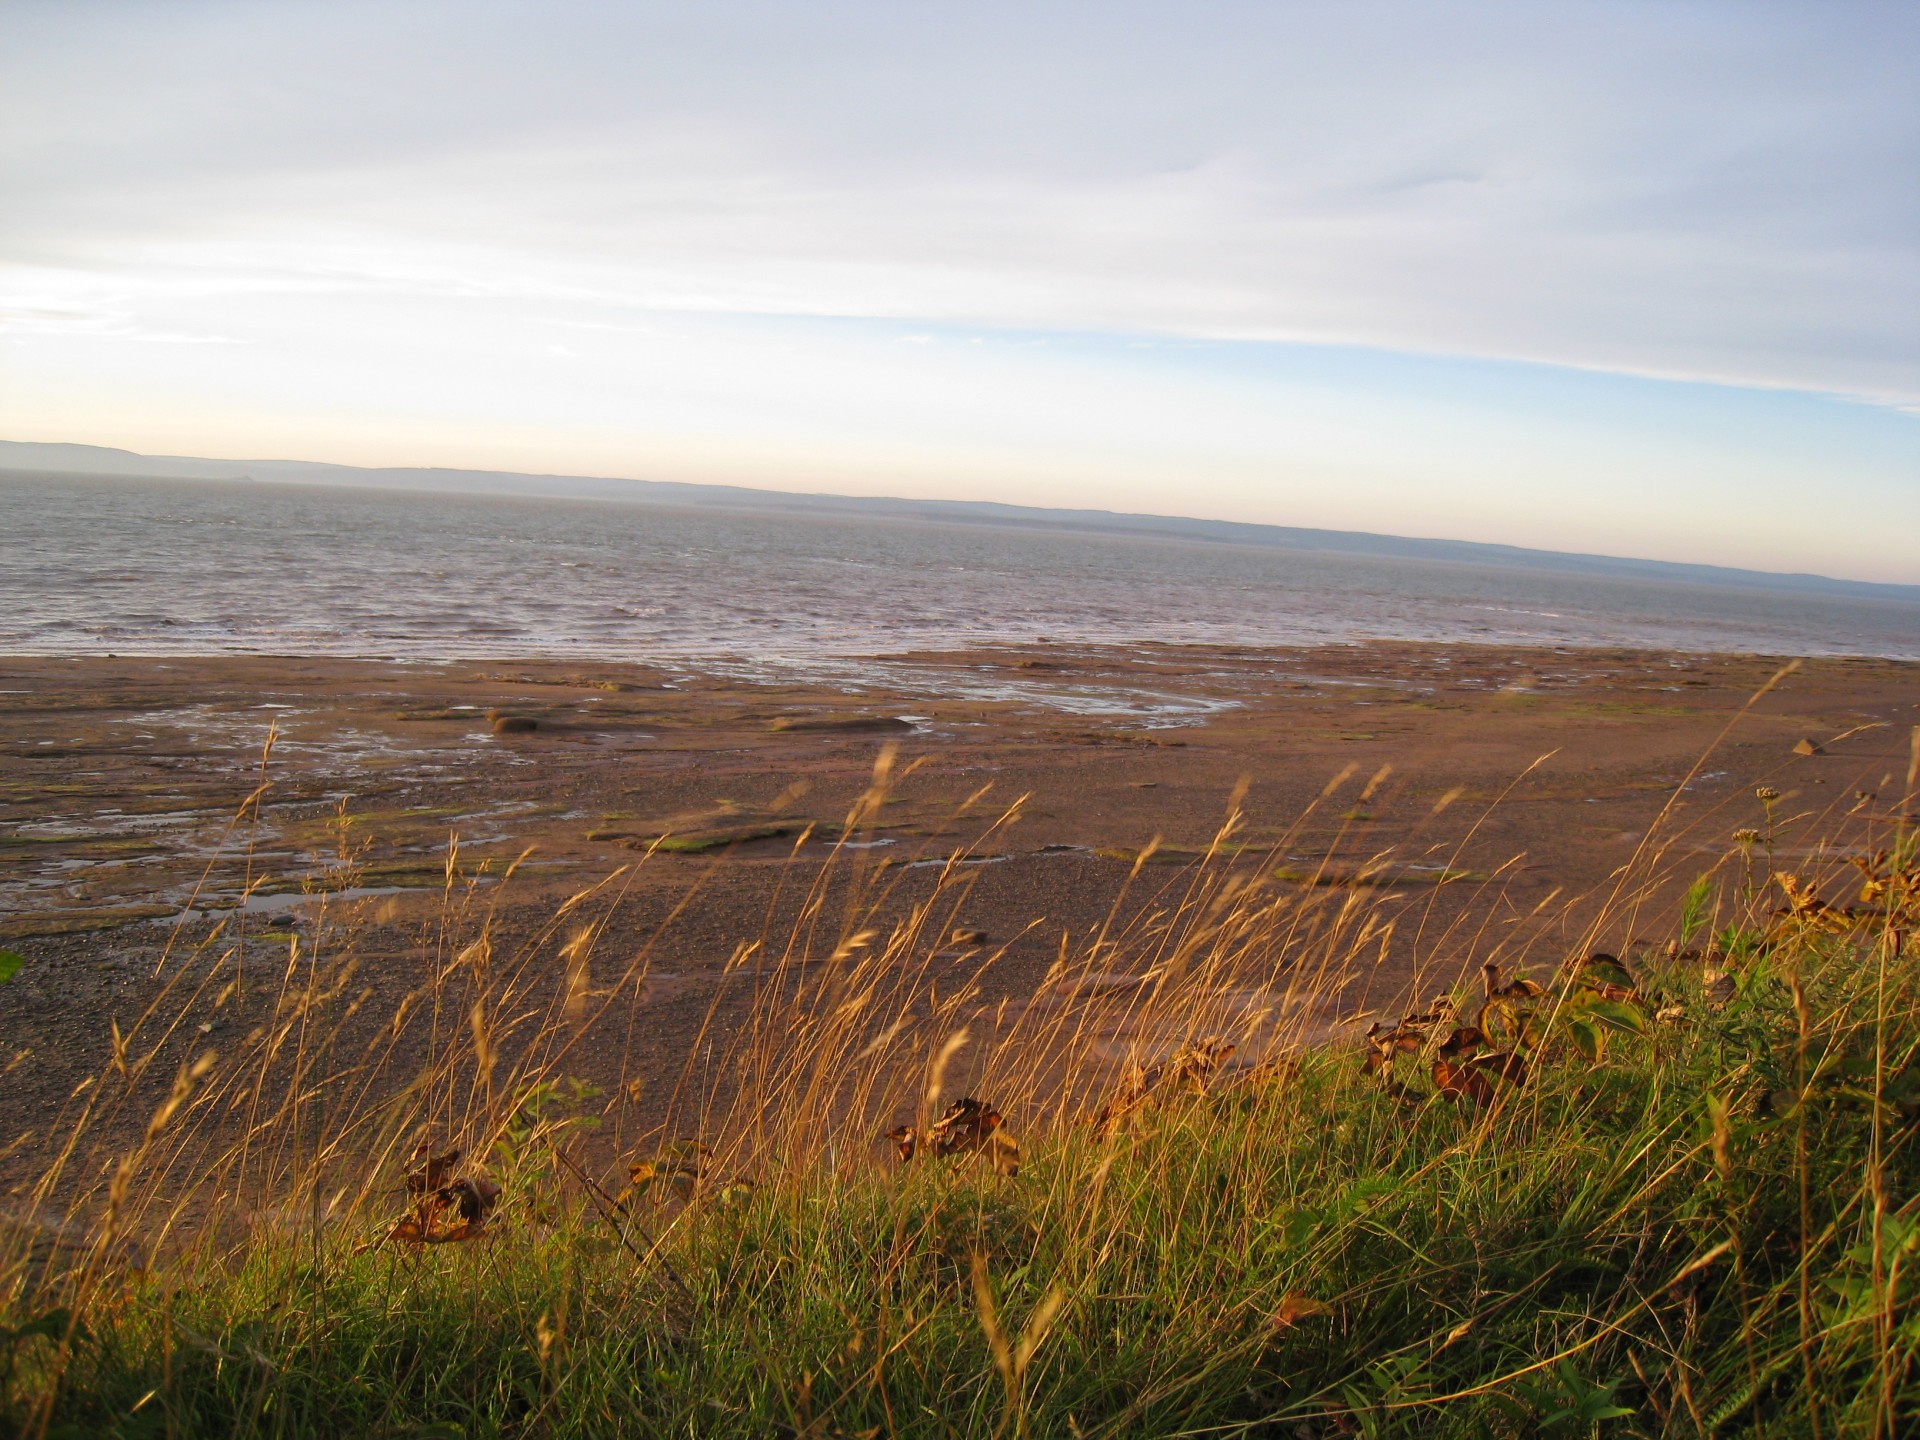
[797, 663]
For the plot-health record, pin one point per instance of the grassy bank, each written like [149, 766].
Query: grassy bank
[1673, 1193]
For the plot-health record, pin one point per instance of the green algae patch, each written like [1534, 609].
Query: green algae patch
[93, 846]
[693, 842]
[76, 922]
[711, 829]
[433, 713]
[410, 874]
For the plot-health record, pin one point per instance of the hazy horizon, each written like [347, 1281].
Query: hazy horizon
[288, 470]
[1629, 280]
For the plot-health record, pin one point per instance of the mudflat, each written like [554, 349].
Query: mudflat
[152, 808]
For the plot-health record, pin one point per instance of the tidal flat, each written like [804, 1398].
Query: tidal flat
[158, 808]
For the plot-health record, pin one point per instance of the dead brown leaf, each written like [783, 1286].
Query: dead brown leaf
[1462, 1081]
[440, 1196]
[434, 1171]
[1458, 1068]
[906, 1140]
[1405, 1038]
[1519, 988]
[1295, 1307]
[1509, 1066]
[967, 1127]
[1804, 907]
[1193, 1068]
[474, 1199]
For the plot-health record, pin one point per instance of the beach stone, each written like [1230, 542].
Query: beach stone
[515, 725]
[839, 724]
[1808, 747]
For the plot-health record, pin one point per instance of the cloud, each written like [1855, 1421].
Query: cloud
[1712, 191]
[57, 317]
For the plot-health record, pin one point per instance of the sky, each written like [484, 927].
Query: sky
[1624, 278]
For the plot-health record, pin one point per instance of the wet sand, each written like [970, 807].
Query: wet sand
[121, 780]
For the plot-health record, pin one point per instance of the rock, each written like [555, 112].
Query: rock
[839, 724]
[692, 842]
[1808, 747]
[964, 936]
[514, 724]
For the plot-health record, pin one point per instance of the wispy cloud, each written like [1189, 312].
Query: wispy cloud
[1716, 190]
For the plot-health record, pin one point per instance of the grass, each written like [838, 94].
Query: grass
[1698, 1213]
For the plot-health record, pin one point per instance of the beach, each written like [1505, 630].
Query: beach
[163, 808]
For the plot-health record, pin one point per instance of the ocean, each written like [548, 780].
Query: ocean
[143, 566]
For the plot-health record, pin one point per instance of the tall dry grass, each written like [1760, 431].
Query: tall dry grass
[1693, 1215]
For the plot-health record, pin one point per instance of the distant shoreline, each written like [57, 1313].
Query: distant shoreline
[725, 665]
[44, 458]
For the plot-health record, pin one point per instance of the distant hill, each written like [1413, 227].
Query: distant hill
[99, 460]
